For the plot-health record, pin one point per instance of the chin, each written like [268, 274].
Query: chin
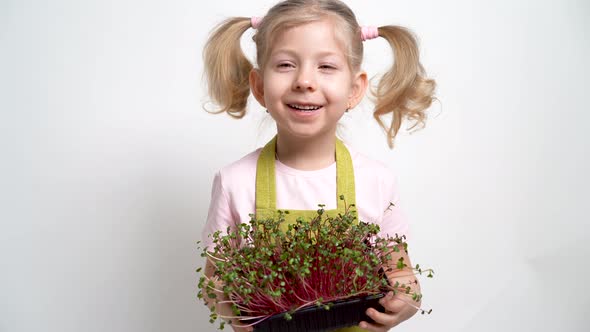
[305, 133]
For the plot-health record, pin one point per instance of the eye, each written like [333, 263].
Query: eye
[284, 65]
[327, 67]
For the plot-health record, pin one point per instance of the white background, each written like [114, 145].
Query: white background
[107, 161]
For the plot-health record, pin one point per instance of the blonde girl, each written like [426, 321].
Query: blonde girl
[307, 75]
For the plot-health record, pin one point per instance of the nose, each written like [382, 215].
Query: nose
[304, 81]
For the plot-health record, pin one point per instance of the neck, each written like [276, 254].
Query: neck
[306, 154]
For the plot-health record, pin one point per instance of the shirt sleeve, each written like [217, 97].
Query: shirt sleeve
[219, 216]
[394, 220]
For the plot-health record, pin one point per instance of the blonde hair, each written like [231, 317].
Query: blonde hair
[403, 90]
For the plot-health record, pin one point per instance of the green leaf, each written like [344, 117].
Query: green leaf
[358, 272]
[400, 263]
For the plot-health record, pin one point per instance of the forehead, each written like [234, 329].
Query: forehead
[320, 38]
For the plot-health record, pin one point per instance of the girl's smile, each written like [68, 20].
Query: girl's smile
[305, 111]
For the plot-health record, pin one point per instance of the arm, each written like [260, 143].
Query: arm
[404, 276]
[222, 309]
[219, 217]
[399, 307]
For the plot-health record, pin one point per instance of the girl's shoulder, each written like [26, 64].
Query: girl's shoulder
[368, 166]
[238, 177]
[245, 166]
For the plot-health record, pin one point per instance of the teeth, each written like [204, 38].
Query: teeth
[305, 108]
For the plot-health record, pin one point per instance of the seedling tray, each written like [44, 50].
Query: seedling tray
[342, 313]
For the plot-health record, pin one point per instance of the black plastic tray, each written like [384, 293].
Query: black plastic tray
[342, 313]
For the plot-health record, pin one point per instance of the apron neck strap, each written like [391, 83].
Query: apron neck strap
[266, 184]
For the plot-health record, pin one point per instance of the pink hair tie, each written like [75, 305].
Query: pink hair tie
[255, 20]
[369, 32]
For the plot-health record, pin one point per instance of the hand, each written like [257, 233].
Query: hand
[242, 329]
[396, 311]
[225, 309]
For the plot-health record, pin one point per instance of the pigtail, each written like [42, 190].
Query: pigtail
[227, 68]
[404, 90]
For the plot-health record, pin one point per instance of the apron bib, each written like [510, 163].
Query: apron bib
[266, 191]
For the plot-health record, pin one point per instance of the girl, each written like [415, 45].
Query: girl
[308, 73]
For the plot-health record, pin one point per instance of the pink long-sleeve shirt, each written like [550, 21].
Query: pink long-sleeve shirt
[233, 193]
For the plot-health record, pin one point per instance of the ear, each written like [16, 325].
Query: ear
[257, 85]
[358, 89]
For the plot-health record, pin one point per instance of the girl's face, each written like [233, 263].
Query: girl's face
[307, 84]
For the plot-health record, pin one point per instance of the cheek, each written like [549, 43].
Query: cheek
[337, 86]
[271, 92]
[338, 93]
[275, 87]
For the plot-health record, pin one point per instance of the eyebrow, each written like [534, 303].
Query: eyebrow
[292, 52]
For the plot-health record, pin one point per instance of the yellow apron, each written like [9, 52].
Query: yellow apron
[266, 190]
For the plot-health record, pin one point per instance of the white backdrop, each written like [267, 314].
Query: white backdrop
[108, 158]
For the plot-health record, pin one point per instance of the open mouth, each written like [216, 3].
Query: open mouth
[304, 108]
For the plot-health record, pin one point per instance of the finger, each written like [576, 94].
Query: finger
[382, 318]
[241, 328]
[372, 327]
[393, 303]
